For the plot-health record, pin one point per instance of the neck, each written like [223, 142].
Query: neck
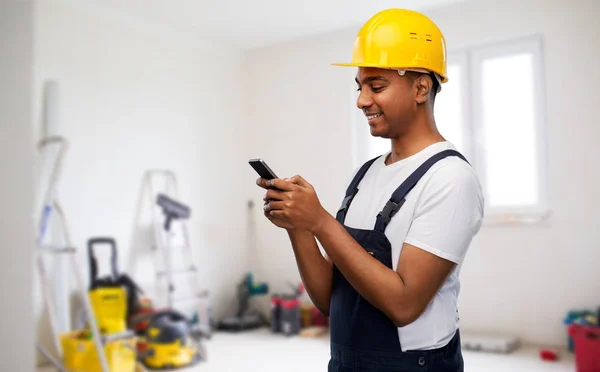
[421, 134]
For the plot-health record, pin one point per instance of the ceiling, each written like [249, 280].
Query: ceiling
[253, 24]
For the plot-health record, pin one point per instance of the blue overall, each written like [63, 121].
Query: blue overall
[363, 338]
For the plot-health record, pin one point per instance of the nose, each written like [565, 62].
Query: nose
[364, 99]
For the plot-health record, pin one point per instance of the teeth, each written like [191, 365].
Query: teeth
[373, 116]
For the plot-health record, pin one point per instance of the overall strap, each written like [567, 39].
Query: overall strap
[398, 197]
[353, 190]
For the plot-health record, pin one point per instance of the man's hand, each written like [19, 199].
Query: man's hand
[315, 270]
[293, 202]
[275, 221]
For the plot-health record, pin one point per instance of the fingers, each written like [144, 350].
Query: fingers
[279, 222]
[274, 210]
[278, 214]
[279, 193]
[274, 205]
[283, 185]
[276, 183]
[287, 184]
[262, 183]
[265, 183]
[298, 180]
[273, 194]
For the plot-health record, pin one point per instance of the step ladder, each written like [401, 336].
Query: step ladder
[52, 206]
[170, 239]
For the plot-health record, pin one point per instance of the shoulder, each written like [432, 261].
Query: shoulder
[452, 182]
[452, 173]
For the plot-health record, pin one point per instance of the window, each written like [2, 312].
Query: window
[492, 110]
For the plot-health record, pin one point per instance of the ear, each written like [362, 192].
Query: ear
[423, 85]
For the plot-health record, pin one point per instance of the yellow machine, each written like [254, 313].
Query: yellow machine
[169, 342]
[173, 355]
[110, 308]
[107, 295]
[110, 299]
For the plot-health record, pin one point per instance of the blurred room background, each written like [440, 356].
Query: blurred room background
[194, 89]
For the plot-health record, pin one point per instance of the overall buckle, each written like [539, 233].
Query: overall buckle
[347, 200]
[390, 209]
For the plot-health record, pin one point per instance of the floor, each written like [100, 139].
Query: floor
[265, 352]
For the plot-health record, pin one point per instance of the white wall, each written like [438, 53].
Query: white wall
[301, 125]
[518, 280]
[16, 162]
[134, 96]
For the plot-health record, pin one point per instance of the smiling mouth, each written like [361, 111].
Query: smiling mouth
[371, 117]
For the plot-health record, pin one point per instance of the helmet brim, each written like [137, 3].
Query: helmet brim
[444, 78]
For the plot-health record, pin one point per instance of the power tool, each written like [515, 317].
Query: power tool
[170, 341]
[246, 317]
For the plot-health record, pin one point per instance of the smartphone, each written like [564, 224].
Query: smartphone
[262, 169]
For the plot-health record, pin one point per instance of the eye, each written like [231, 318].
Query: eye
[377, 89]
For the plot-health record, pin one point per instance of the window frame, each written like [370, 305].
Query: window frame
[476, 56]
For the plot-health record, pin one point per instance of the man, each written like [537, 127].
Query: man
[390, 277]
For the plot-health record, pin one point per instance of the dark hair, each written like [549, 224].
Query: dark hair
[434, 87]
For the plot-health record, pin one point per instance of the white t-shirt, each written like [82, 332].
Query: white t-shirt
[441, 215]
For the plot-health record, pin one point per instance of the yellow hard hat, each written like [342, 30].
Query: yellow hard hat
[400, 39]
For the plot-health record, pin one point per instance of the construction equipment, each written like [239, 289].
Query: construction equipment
[286, 311]
[170, 341]
[115, 298]
[50, 205]
[173, 210]
[165, 200]
[246, 317]
[80, 354]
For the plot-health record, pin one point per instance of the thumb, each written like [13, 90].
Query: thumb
[298, 180]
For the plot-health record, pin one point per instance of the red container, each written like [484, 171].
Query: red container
[547, 354]
[587, 347]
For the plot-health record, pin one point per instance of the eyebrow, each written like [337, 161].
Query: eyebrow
[370, 79]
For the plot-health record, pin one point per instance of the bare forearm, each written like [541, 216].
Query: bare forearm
[378, 284]
[315, 270]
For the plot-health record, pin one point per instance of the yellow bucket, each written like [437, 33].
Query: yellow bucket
[79, 353]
